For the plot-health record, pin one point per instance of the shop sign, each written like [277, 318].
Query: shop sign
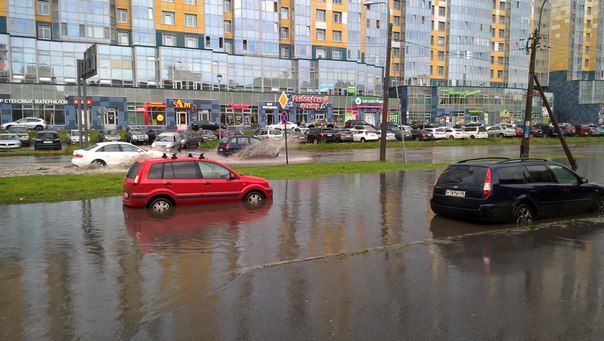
[311, 102]
[449, 91]
[368, 101]
[139, 109]
[270, 106]
[33, 101]
[179, 104]
[475, 111]
[155, 105]
[238, 106]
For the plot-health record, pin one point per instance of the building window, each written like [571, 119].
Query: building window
[337, 17]
[228, 46]
[336, 55]
[501, 19]
[337, 1]
[190, 20]
[396, 36]
[586, 62]
[320, 34]
[321, 15]
[337, 36]
[169, 40]
[499, 73]
[122, 15]
[191, 42]
[123, 38]
[396, 52]
[208, 42]
[500, 60]
[501, 34]
[44, 31]
[441, 41]
[284, 32]
[284, 52]
[321, 53]
[441, 55]
[396, 20]
[226, 5]
[396, 67]
[502, 5]
[284, 13]
[227, 26]
[43, 8]
[440, 70]
[441, 11]
[441, 25]
[167, 18]
[190, 2]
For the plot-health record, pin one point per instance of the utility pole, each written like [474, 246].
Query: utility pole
[528, 110]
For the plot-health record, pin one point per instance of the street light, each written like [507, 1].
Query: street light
[219, 78]
[386, 78]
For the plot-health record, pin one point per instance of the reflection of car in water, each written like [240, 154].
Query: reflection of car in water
[183, 222]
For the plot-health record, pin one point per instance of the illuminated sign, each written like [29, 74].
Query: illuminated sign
[270, 106]
[368, 101]
[179, 104]
[33, 101]
[238, 106]
[311, 102]
[155, 105]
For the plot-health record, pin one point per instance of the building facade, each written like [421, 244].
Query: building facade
[171, 62]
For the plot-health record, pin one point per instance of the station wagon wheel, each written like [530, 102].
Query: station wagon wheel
[39, 128]
[99, 163]
[523, 214]
[160, 206]
[254, 199]
[362, 140]
[600, 205]
[500, 135]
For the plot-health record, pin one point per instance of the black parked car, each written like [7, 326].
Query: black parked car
[343, 135]
[320, 135]
[47, 140]
[190, 139]
[353, 123]
[152, 133]
[421, 135]
[513, 190]
[136, 135]
[208, 125]
[231, 144]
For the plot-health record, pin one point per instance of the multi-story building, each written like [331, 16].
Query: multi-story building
[171, 62]
[577, 60]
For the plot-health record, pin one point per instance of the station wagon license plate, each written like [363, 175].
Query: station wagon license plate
[452, 193]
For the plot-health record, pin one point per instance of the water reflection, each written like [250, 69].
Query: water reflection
[94, 269]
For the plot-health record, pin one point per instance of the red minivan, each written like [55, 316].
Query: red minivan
[161, 184]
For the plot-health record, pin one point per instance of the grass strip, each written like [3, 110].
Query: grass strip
[66, 187]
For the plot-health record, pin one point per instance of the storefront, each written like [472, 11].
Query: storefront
[309, 108]
[51, 110]
[268, 113]
[240, 114]
[102, 112]
[180, 113]
[369, 110]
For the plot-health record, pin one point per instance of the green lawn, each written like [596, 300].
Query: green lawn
[53, 188]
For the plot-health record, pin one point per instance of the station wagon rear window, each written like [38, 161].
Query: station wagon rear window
[464, 175]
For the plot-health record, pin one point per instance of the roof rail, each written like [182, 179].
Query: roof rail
[485, 159]
[527, 159]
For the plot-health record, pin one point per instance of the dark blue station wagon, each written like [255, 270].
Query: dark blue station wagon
[513, 190]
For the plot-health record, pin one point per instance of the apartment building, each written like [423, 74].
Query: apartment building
[171, 62]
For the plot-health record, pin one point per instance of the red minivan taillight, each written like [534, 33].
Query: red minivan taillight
[486, 188]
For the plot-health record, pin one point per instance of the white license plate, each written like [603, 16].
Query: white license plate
[47, 141]
[452, 193]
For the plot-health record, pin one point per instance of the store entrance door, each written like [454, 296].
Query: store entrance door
[181, 118]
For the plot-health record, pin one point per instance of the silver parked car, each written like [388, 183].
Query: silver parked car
[30, 122]
[9, 141]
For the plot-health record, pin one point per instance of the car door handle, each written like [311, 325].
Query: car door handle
[207, 183]
[167, 184]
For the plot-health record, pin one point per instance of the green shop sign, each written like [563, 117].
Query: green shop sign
[449, 91]
[367, 101]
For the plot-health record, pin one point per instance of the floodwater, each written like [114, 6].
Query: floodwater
[336, 257]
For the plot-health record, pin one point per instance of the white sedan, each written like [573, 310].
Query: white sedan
[363, 135]
[112, 154]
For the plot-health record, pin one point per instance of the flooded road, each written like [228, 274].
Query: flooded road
[339, 257]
